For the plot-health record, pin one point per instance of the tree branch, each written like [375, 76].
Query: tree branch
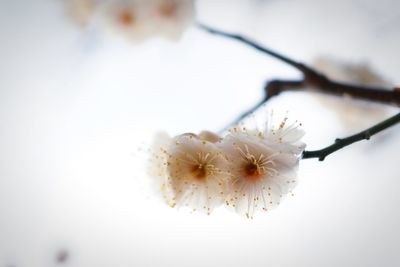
[272, 88]
[256, 46]
[313, 80]
[343, 142]
[316, 81]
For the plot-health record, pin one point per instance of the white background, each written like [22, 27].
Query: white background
[77, 108]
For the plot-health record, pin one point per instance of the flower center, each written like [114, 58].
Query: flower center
[252, 171]
[126, 18]
[199, 171]
[167, 10]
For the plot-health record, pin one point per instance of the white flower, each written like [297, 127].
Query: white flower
[129, 19]
[136, 20]
[190, 171]
[81, 11]
[172, 17]
[353, 114]
[247, 170]
[209, 136]
[263, 165]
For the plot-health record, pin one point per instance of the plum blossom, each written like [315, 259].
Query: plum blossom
[263, 165]
[247, 169]
[190, 171]
[135, 20]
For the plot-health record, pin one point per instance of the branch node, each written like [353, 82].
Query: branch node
[343, 142]
[271, 89]
[367, 135]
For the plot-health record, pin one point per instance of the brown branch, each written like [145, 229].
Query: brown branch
[326, 86]
[273, 88]
[313, 79]
[317, 81]
[256, 46]
[343, 142]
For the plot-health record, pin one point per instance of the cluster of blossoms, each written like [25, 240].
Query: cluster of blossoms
[247, 169]
[135, 20]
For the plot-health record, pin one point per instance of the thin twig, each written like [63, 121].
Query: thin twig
[343, 142]
[256, 46]
[273, 88]
[314, 80]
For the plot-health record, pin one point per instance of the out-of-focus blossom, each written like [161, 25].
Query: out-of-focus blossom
[172, 17]
[129, 19]
[81, 11]
[354, 114]
[136, 20]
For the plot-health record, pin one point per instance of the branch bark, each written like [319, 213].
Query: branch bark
[343, 142]
[312, 79]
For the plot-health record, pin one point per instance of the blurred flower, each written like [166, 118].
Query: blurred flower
[190, 171]
[353, 114]
[172, 17]
[263, 165]
[130, 19]
[136, 20]
[81, 11]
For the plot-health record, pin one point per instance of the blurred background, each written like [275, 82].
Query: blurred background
[78, 109]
